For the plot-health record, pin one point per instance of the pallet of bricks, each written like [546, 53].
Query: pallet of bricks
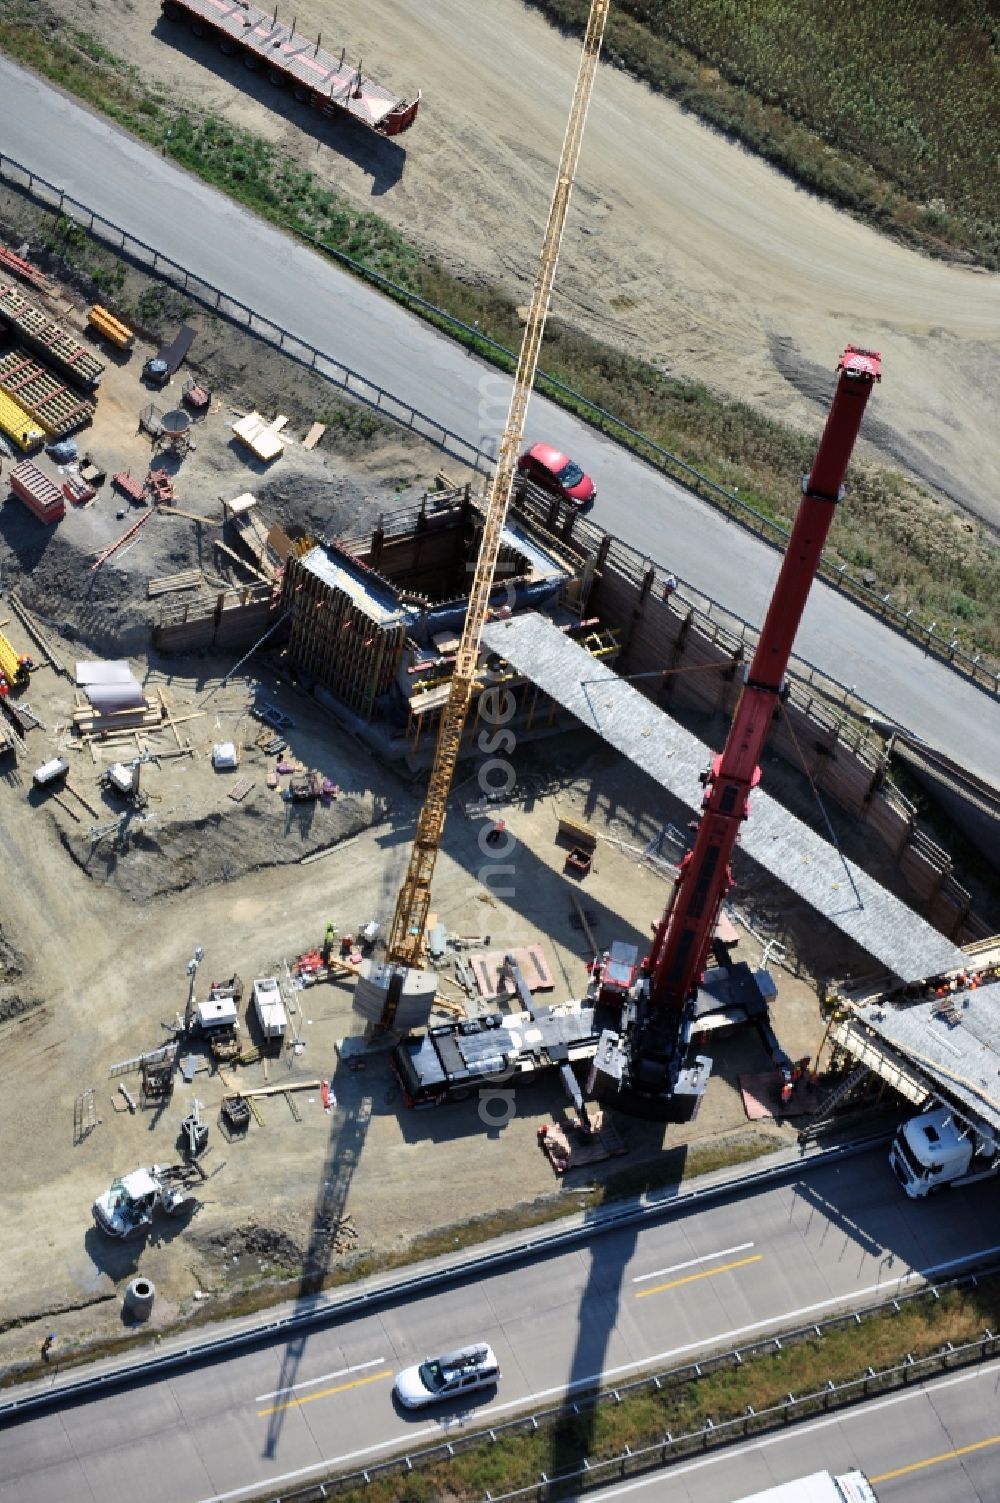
[55, 406]
[40, 495]
[49, 339]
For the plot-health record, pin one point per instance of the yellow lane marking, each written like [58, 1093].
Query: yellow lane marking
[707, 1273]
[325, 1393]
[918, 1466]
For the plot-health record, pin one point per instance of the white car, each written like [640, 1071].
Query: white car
[440, 1378]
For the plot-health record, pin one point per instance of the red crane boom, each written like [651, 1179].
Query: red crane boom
[644, 1069]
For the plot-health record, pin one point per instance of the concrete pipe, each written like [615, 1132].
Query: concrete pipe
[139, 1296]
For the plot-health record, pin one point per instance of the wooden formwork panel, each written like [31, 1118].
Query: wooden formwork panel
[55, 407]
[45, 335]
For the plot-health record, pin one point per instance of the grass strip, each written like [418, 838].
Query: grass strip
[666, 1170]
[892, 536]
[890, 114]
[920, 1327]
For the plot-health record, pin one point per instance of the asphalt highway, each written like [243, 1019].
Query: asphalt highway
[937, 1443]
[623, 1302]
[313, 299]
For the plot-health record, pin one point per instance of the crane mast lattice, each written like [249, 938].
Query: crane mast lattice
[404, 942]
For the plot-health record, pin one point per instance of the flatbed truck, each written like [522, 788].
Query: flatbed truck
[328, 84]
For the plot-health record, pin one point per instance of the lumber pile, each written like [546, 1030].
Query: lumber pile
[89, 722]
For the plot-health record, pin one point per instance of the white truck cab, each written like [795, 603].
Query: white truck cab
[936, 1149]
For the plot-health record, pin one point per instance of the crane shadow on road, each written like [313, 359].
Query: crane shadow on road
[573, 1437]
[348, 1132]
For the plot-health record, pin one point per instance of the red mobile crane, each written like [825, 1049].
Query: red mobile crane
[644, 1068]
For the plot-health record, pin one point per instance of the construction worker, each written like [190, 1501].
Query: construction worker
[497, 833]
[331, 935]
[47, 1345]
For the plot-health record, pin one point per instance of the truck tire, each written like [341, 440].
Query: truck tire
[227, 45]
[139, 1296]
[199, 29]
[251, 61]
[276, 77]
[301, 93]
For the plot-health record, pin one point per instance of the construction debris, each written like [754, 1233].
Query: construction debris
[572, 1147]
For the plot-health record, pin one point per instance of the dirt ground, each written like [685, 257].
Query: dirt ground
[681, 246]
[97, 924]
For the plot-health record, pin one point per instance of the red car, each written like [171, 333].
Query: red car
[554, 472]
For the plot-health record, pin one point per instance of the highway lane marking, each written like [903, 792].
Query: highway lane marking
[710, 1257]
[918, 1466]
[325, 1393]
[252, 1489]
[657, 1477]
[359, 1367]
[706, 1273]
[704, 1343]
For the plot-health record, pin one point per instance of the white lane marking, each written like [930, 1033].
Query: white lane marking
[709, 1257]
[706, 1343]
[731, 1453]
[311, 1382]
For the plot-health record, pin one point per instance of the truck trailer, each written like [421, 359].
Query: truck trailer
[449, 1061]
[328, 84]
[818, 1487]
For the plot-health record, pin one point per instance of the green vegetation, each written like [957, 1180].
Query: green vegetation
[920, 1327]
[888, 110]
[891, 535]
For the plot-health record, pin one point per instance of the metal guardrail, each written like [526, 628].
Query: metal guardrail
[300, 350]
[390, 406]
[321, 1311]
[599, 1471]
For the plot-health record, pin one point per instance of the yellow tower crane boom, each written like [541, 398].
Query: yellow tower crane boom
[406, 935]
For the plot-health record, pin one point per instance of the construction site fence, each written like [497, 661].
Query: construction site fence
[942, 646]
[225, 619]
[600, 1471]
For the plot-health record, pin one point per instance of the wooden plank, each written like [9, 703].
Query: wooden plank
[189, 580]
[250, 569]
[279, 1090]
[314, 435]
[239, 790]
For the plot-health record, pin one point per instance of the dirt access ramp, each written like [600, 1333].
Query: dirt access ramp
[681, 246]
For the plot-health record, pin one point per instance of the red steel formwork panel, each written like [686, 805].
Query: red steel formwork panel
[41, 496]
[328, 83]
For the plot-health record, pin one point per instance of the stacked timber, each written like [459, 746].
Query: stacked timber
[55, 407]
[50, 339]
[110, 328]
[90, 722]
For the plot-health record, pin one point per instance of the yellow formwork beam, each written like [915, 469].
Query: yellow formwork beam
[18, 425]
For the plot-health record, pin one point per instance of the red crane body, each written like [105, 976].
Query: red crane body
[651, 1059]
